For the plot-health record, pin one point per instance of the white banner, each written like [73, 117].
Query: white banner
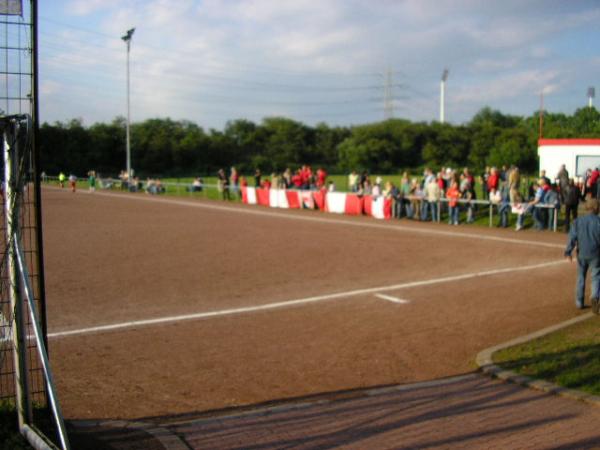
[251, 193]
[377, 207]
[277, 198]
[307, 199]
[336, 202]
[283, 201]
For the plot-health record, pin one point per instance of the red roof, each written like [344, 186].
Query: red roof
[542, 142]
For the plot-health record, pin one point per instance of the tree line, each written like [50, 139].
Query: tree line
[168, 148]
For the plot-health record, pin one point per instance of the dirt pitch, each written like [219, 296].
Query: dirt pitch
[358, 317]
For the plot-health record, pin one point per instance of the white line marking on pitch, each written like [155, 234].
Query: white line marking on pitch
[259, 212]
[300, 301]
[389, 298]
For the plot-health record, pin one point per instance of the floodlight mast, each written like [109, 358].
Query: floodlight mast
[591, 94]
[127, 39]
[443, 94]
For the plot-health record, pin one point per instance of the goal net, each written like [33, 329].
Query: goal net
[26, 384]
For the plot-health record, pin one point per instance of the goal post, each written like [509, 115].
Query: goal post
[27, 340]
[26, 383]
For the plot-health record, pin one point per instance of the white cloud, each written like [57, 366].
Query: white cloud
[87, 7]
[50, 88]
[521, 84]
[233, 56]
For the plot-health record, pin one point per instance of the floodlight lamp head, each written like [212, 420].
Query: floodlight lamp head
[445, 75]
[591, 92]
[128, 35]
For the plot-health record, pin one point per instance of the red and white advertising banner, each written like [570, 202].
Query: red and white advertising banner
[319, 197]
[293, 199]
[263, 197]
[249, 195]
[307, 199]
[277, 198]
[377, 207]
[387, 208]
[354, 205]
[368, 205]
[335, 202]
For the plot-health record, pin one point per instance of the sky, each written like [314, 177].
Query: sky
[331, 61]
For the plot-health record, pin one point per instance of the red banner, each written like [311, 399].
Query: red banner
[354, 205]
[387, 208]
[293, 199]
[368, 205]
[319, 197]
[262, 197]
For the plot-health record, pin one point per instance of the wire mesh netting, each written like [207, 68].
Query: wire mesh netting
[25, 375]
[24, 202]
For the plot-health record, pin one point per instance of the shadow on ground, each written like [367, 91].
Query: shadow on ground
[469, 411]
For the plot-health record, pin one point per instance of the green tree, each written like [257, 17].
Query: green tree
[326, 142]
[107, 147]
[189, 153]
[286, 143]
[483, 140]
[512, 148]
[248, 141]
[447, 145]
[586, 122]
[491, 117]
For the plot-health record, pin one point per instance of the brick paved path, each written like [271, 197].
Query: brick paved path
[471, 412]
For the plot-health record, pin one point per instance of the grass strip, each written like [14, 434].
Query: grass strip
[569, 358]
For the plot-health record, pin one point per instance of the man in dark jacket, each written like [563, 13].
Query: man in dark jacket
[585, 235]
[571, 196]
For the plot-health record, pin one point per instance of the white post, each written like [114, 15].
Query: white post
[442, 92]
[16, 304]
[128, 142]
[127, 39]
[443, 95]
[43, 355]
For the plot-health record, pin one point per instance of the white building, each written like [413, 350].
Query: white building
[577, 155]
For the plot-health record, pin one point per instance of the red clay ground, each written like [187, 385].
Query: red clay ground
[114, 258]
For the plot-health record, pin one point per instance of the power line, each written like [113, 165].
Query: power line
[230, 63]
[238, 90]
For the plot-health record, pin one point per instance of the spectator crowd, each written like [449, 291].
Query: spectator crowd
[458, 196]
[448, 192]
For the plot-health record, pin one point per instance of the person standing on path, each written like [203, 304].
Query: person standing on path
[572, 196]
[585, 235]
[73, 182]
[92, 180]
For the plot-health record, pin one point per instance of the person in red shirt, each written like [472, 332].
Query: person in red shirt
[297, 179]
[321, 177]
[470, 178]
[453, 194]
[441, 182]
[493, 179]
[592, 181]
[306, 174]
